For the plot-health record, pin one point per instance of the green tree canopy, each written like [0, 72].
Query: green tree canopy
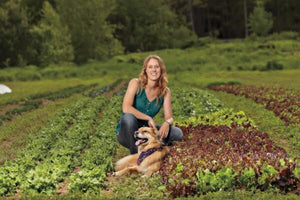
[260, 21]
[147, 25]
[14, 34]
[92, 36]
[51, 39]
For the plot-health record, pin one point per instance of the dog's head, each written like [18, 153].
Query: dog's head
[145, 136]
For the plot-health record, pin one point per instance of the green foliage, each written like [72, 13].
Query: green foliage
[297, 172]
[92, 36]
[97, 160]
[32, 103]
[14, 32]
[224, 116]
[260, 21]
[207, 181]
[272, 65]
[285, 35]
[268, 175]
[248, 178]
[57, 146]
[51, 39]
[28, 75]
[88, 181]
[63, 93]
[194, 102]
[148, 25]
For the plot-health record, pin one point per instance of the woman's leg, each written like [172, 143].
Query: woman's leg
[129, 125]
[175, 134]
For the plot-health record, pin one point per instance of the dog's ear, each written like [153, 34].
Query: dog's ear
[155, 129]
[157, 134]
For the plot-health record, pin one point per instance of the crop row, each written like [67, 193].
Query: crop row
[31, 102]
[283, 102]
[193, 102]
[213, 158]
[52, 153]
[24, 107]
[34, 101]
[97, 159]
[222, 149]
[99, 91]
[72, 140]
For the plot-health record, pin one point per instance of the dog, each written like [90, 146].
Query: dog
[151, 151]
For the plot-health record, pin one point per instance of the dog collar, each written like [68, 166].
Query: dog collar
[147, 153]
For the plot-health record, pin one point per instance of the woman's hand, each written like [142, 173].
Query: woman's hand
[151, 123]
[164, 130]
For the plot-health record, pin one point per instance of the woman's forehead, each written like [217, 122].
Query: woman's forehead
[153, 61]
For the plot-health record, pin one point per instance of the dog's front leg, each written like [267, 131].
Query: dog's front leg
[126, 170]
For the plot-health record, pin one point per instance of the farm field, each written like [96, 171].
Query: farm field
[239, 114]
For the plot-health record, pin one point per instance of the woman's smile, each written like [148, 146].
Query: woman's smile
[153, 70]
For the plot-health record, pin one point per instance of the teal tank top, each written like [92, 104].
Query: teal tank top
[142, 104]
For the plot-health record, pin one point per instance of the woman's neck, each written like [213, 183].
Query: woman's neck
[151, 84]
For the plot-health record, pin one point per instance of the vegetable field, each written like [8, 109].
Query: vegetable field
[241, 140]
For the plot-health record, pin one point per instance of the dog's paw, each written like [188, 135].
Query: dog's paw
[117, 173]
[114, 174]
[144, 176]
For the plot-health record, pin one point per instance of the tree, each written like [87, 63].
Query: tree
[144, 25]
[14, 34]
[260, 21]
[246, 18]
[92, 36]
[51, 39]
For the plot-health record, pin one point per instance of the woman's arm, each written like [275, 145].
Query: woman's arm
[164, 129]
[127, 106]
[168, 105]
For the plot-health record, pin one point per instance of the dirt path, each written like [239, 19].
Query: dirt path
[7, 108]
[119, 87]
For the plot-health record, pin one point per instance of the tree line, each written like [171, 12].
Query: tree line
[43, 32]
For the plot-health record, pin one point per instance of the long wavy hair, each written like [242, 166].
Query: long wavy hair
[162, 82]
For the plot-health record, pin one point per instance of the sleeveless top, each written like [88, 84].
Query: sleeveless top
[142, 104]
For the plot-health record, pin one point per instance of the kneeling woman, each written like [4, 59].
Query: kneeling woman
[142, 101]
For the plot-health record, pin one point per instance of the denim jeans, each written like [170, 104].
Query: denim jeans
[129, 124]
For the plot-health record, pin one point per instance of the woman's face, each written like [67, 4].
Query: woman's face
[153, 70]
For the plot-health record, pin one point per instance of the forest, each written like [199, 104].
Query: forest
[44, 32]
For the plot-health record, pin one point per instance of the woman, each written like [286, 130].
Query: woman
[142, 101]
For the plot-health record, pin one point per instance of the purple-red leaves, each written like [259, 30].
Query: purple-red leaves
[217, 147]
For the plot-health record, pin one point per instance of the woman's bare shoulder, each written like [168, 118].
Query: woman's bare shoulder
[133, 84]
[168, 91]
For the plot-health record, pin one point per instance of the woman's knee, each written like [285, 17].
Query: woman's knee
[176, 134]
[128, 119]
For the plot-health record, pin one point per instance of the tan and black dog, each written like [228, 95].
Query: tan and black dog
[151, 151]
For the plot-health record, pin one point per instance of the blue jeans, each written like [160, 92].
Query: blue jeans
[129, 124]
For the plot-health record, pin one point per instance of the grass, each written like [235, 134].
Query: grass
[21, 90]
[208, 55]
[286, 78]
